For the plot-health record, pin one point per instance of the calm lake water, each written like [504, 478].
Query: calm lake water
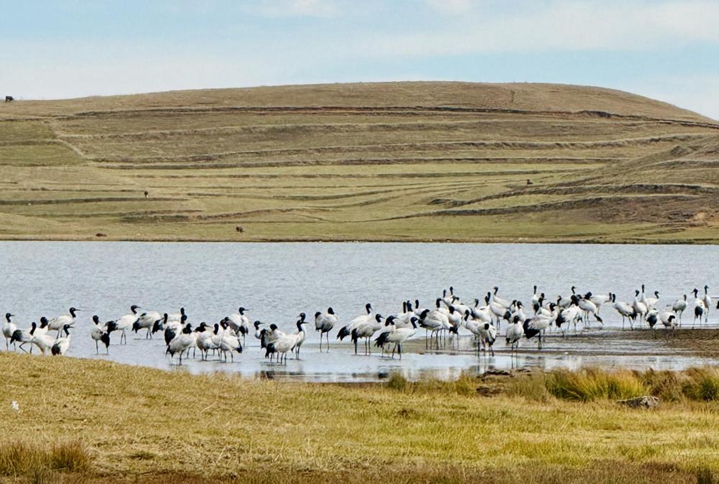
[278, 281]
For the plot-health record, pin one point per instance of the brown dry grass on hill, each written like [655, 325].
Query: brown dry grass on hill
[387, 161]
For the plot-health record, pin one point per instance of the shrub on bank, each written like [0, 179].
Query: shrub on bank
[696, 384]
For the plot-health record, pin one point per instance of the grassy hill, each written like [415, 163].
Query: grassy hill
[386, 161]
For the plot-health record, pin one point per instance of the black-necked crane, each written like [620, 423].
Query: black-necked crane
[600, 299]
[535, 327]
[454, 318]
[58, 323]
[571, 314]
[650, 302]
[324, 322]
[585, 304]
[204, 341]
[41, 338]
[625, 309]
[448, 298]
[61, 345]
[229, 342]
[100, 333]
[173, 328]
[176, 316]
[258, 331]
[536, 300]
[433, 321]
[147, 320]
[707, 302]
[679, 307]
[484, 331]
[389, 326]
[283, 345]
[181, 342]
[516, 308]
[239, 322]
[487, 337]
[669, 320]
[24, 336]
[550, 311]
[704, 302]
[699, 310]
[8, 328]
[565, 301]
[362, 319]
[404, 318]
[652, 318]
[639, 307]
[126, 322]
[397, 336]
[498, 299]
[301, 334]
[498, 310]
[481, 313]
[366, 331]
[267, 337]
[515, 331]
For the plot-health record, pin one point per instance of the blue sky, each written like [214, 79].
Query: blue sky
[666, 49]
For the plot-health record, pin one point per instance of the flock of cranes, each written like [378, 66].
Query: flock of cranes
[444, 321]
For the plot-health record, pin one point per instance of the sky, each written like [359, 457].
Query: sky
[664, 49]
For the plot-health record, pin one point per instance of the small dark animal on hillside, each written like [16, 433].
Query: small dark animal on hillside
[530, 182]
[240, 229]
[147, 194]
[9, 99]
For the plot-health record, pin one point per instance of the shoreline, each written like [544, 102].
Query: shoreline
[266, 240]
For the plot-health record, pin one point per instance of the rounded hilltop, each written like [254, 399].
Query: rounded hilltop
[499, 96]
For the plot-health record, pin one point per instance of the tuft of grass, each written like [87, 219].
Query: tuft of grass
[591, 384]
[533, 387]
[71, 456]
[701, 384]
[705, 476]
[20, 458]
[667, 385]
[696, 384]
[397, 381]
[465, 385]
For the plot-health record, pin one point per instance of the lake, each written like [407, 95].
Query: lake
[277, 281]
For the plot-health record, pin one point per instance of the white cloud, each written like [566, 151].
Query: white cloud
[374, 40]
[696, 93]
[558, 25]
[450, 7]
[296, 8]
[77, 70]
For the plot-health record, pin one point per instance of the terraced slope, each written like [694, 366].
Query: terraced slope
[393, 161]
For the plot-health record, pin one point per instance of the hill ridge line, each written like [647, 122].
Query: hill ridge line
[384, 109]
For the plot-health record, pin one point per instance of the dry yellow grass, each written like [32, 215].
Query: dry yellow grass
[387, 161]
[139, 424]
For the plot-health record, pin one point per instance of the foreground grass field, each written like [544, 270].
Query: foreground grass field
[389, 161]
[91, 421]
